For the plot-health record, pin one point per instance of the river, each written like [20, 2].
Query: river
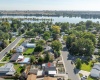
[55, 19]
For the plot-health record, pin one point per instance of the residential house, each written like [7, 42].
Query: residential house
[49, 78]
[49, 69]
[16, 57]
[31, 77]
[33, 70]
[20, 49]
[7, 69]
[29, 45]
[95, 72]
[14, 34]
[96, 51]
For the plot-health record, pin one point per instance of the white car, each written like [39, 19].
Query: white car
[84, 78]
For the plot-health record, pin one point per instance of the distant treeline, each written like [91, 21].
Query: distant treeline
[82, 14]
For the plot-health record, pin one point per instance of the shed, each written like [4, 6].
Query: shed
[30, 45]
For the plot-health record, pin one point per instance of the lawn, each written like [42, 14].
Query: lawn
[6, 58]
[86, 66]
[21, 41]
[12, 39]
[89, 78]
[18, 68]
[28, 51]
[2, 64]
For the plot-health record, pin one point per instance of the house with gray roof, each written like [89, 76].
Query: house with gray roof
[7, 69]
[14, 57]
[95, 72]
[49, 69]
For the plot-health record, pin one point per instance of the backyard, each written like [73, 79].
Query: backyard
[18, 68]
[89, 78]
[28, 51]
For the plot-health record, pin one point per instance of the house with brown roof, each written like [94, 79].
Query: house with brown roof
[31, 77]
[49, 78]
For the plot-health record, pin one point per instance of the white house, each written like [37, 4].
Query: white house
[14, 33]
[20, 49]
[95, 72]
[29, 45]
[7, 69]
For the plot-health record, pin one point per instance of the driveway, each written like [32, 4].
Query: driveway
[85, 73]
[8, 48]
[69, 68]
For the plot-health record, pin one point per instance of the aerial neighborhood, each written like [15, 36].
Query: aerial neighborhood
[47, 50]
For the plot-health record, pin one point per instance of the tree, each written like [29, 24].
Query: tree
[41, 59]
[71, 38]
[56, 29]
[32, 59]
[32, 40]
[56, 45]
[89, 24]
[99, 39]
[64, 26]
[41, 42]
[38, 48]
[46, 35]
[64, 38]
[47, 58]
[78, 63]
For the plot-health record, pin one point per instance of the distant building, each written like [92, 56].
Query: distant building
[95, 72]
[14, 34]
[20, 49]
[49, 69]
[7, 69]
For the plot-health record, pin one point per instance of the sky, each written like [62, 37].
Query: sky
[91, 5]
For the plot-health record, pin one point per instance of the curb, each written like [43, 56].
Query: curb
[8, 45]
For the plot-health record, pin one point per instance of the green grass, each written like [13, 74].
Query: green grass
[6, 58]
[7, 42]
[17, 68]
[21, 41]
[13, 38]
[81, 75]
[28, 51]
[86, 66]
[2, 64]
[89, 78]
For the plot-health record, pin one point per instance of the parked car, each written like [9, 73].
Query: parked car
[71, 62]
[84, 78]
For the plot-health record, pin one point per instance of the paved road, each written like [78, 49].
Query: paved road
[72, 74]
[8, 48]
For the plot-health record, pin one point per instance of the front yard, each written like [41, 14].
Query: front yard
[21, 41]
[7, 57]
[86, 66]
[89, 78]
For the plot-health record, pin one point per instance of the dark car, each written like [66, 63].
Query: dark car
[71, 62]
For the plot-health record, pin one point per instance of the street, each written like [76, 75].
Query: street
[8, 48]
[70, 69]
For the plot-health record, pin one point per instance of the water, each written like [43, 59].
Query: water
[55, 19]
